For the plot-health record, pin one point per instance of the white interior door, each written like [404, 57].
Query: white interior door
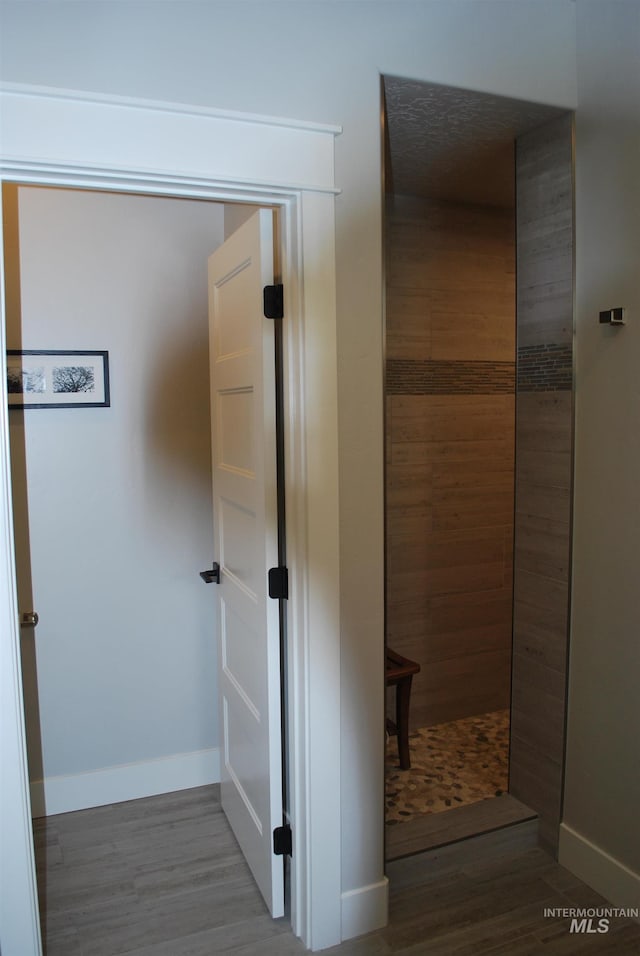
[245, 514]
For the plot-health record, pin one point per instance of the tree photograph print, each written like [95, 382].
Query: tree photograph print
[54, 379]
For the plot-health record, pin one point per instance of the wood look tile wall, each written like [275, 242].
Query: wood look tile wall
[450, 452]
[453, 555]
[543, 470]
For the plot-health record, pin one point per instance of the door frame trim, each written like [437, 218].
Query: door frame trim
[79, 140]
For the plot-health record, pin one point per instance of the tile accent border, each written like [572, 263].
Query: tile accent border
[432, 377]
[545, 368]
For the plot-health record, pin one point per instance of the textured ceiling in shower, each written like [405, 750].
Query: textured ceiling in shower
[448, 143]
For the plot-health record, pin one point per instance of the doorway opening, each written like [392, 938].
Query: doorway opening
[465, 273]
[112, 517]
[229, 157]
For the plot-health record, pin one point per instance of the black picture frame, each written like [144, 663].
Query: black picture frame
[46, 378]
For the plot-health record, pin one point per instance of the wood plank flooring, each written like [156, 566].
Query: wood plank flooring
[164, 877]
[438, 829]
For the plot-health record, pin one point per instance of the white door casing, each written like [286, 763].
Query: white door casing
[245, 529]
[78, 139]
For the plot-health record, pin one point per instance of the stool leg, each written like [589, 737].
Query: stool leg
[403, 697]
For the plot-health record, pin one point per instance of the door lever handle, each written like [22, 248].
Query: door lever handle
[212, 574]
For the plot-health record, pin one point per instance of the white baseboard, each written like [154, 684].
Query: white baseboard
[96, 788]
[365, 909]
[608, 876]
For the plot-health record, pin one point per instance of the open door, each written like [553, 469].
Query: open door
[245, 515]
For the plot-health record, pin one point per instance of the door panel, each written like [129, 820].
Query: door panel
[235, 431]
[238, 641]
[245, 508]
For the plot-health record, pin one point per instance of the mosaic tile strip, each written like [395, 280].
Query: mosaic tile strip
[452, 765]
[429, 377]
[545, 368]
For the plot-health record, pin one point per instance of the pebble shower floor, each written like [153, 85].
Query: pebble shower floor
[452, 765]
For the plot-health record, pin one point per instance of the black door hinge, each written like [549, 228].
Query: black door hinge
[282, 841]
[278, 583]
[273, 301]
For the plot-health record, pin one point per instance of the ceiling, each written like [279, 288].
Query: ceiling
[454, 144]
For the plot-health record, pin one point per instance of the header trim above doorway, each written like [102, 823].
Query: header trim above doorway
[48, 129]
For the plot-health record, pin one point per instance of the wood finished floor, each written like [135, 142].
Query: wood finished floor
[433, 830]
[164, 877]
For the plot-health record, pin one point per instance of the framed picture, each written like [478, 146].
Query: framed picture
[45, 379]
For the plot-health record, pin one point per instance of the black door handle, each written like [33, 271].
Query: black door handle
[212, 575]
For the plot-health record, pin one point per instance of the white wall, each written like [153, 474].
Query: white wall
[117, 500]
[602, 795]
[318, 61]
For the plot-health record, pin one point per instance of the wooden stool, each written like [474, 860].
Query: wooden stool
[399, 671]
